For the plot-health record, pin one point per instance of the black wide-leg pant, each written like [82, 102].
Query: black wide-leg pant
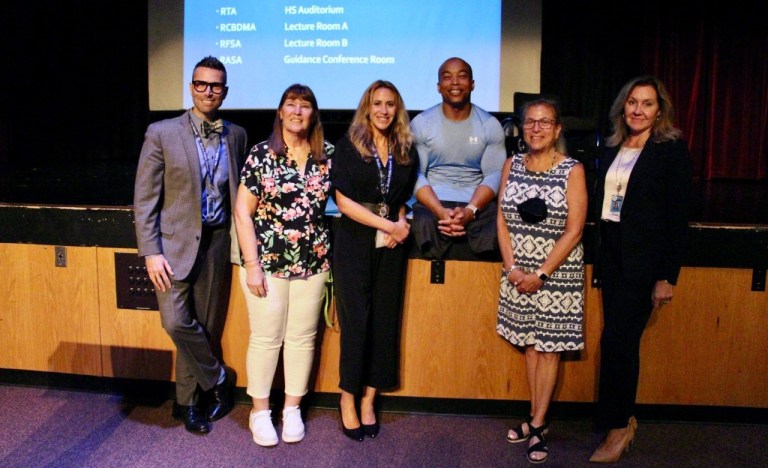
[368, 284]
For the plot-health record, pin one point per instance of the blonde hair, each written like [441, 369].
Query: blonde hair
[663, 129]
[361, 134]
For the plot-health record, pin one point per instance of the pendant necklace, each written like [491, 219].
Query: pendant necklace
[527, 160]
[620, 165]
[385, 178]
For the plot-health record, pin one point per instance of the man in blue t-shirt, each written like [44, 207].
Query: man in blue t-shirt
[461, 153]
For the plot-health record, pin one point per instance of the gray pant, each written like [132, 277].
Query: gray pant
[193, 312]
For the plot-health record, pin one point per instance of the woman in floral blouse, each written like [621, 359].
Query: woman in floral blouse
[284, 243]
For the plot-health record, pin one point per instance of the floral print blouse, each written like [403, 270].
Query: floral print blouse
[293, 237]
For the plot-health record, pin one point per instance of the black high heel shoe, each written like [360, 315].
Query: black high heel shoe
[371, 430]
[357, 433]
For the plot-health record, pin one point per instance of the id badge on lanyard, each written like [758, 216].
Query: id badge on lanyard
[616, 202]
[210, 204]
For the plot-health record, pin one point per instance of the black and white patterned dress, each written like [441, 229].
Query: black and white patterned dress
[551, 318]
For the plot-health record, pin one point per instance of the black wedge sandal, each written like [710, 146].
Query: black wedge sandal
[540, 446]
[521, 435]
[519, 432]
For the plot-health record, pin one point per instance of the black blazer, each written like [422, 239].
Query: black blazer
[654, 215]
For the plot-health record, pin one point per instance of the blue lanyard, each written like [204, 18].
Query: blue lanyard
[384, 180]
[208, 176]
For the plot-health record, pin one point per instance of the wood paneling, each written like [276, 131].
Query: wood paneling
[708, 347]
[49, 315]
[235, 340]
[134, 344]
[451, 348]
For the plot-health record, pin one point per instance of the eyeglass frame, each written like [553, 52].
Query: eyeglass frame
[544, 124]
[206, 85]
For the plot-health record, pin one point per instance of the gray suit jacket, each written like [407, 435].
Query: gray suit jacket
[168, 191]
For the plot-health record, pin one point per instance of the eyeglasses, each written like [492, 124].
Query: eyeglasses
[545, 124]
[216, 88]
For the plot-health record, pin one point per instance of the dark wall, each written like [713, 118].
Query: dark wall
[78, 84]
[75, 80]
[76, 73]
[589, 50]
[76, 104]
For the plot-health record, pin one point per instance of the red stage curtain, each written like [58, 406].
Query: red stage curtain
[716, 68]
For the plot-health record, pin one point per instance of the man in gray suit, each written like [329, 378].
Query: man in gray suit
[186, 184]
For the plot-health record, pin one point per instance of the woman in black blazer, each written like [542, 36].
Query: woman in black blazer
[642, 198]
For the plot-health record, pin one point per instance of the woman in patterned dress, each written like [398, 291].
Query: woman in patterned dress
[542, 211]
[285, 243]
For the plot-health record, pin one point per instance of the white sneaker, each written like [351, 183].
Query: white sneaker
[293, 426]
[260, 423]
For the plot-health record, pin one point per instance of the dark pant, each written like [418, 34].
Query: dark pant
[369, 286]
[193, 313]
[626, 309]
[480, 232]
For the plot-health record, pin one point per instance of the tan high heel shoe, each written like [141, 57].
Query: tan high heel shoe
[616, 442]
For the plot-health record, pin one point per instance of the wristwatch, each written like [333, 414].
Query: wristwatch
[542, 276]
[473, 209]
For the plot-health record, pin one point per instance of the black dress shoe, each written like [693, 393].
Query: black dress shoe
[222, 396]
[194, 421]
[355, 434]
[371, 430]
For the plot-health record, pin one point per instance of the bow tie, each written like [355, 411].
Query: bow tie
[211, 127]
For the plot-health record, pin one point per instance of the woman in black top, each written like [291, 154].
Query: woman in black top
[642, 198]
[372, 177]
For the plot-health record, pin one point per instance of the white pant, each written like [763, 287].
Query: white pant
[286, 318]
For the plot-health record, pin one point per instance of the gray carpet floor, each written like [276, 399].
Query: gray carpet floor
[43, 427]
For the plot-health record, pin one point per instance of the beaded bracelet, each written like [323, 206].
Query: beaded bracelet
[507, 271]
